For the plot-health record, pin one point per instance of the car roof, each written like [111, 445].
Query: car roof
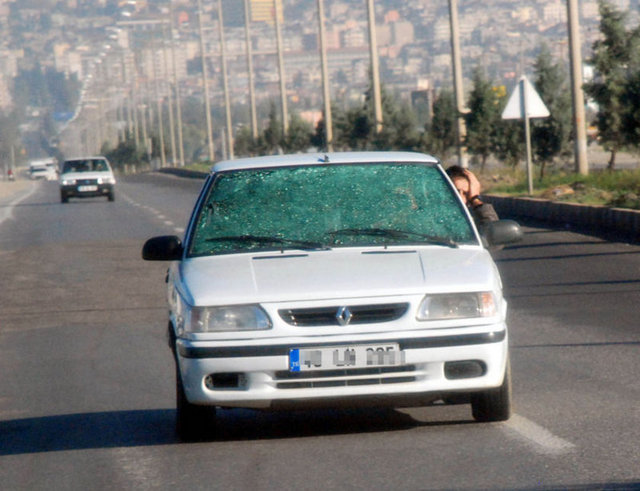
[322, 159]
[91, 157]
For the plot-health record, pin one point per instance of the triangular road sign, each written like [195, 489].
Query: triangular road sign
[525, 96]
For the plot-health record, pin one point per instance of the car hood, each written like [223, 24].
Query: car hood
[86, 175]
[338, 273]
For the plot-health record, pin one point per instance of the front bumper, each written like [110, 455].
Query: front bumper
[86, 190]
[256, 374]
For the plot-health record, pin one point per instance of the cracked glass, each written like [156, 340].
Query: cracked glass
[328, 206]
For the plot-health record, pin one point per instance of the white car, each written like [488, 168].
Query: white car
[46, 169]
[87, 177]
[334, 279]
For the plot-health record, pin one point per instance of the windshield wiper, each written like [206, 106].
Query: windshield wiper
[395, 234]
[259, 239]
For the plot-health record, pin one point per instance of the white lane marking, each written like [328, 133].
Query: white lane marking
[155, 212]
[6, 412]
[138, 467]
[542, 439]
[6, 212]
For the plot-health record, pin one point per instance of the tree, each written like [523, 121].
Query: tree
[319, 137]
[243, 143]
[9, 136]
[551, 136]
[440, 132]
[611, 57]
[126, 153]
[351, 129]
[272, 134]
[399, 131]
[482, 117]
[298, 137]
[631, 100]
[508, 142]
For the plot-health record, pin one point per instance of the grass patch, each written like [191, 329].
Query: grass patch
[618, 188]
[200, 167]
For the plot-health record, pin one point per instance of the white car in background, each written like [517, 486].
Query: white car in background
[331, 280]
[86, 177]
[46, 169]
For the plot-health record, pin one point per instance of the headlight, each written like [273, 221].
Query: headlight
[106, 180]
[220, 319]
[457, 306]
[68, 182]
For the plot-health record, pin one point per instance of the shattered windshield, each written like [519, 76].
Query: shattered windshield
[85, 165]
[328, 206]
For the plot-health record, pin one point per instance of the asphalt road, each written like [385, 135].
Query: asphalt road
[87, 382]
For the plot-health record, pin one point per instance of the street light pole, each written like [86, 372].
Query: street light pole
[205, 82]
[582, 165]
[328, 124]
[283, 88]
[172, 126]
[461, 132]
[375, 70]
[176, 87]
[252, 95]
[156, 95]
[225, 83]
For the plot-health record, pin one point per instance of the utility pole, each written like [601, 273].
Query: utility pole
[461, 132]
[225, 84]
[205, 82]
[283, 88]
[582, 165]
[328, 124]
[375, 70]
[252, 94]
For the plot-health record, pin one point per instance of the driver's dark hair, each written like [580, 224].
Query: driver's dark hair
[455, 171]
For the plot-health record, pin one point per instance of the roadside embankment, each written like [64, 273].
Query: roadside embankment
[10, 189]
[617, 222]
[11, 193]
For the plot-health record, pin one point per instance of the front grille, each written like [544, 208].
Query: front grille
[335, 316]
[344, 378]
[87, 182]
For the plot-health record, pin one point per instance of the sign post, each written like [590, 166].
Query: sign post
[525, 103]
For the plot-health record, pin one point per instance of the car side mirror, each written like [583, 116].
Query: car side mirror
[502, 232]
[163, 248]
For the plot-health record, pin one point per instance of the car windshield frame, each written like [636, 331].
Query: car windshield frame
[325, 206]
[85, 165]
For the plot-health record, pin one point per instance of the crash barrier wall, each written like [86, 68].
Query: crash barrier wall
[621, 223]
[192, 174]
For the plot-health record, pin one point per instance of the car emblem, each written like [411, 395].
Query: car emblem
[344, 316]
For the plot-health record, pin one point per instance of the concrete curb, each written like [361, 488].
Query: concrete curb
[619, 222]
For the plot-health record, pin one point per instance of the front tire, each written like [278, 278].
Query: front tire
[495, 404]
[64, 198]
[193, 422]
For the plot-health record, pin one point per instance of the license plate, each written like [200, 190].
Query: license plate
[87, 188]
[341, 357]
